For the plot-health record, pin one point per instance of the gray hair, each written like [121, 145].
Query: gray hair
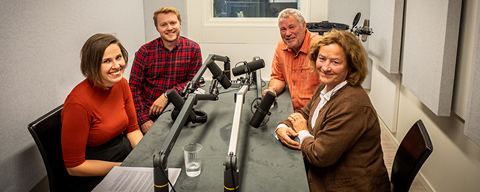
[289, 11]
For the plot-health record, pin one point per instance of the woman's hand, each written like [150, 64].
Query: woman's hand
[299, 123]
[284, 134]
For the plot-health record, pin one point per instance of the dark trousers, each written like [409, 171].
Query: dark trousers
[115, 150]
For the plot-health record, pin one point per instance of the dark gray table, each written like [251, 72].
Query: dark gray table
[264, 163]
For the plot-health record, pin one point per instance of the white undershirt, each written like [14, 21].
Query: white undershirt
[324, 98]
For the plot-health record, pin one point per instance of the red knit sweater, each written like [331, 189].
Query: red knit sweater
[92, 116]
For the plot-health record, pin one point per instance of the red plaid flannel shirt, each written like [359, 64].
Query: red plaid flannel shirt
[156, 70]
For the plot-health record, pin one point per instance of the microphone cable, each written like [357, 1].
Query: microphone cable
[168, 179]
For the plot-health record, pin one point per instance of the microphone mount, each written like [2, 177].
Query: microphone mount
[364, 30]
[192, 85]
[361, 30]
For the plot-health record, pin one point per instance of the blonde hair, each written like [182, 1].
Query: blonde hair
[165, 10]
[353, 50]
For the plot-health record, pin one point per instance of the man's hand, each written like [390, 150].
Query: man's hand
[146, 126]
[271, 89]
[158, 106]
[284, 134]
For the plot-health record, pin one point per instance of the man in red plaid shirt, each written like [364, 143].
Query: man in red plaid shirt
[168, 62]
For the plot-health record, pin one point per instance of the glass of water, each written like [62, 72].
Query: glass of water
[192, 155]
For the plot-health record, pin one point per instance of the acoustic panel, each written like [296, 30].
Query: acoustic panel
[472, 122]
[385, 43]
[430, 50]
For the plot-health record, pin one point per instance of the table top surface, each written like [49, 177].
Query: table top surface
[264, 163]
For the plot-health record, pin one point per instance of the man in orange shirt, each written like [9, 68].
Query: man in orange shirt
[290, 64]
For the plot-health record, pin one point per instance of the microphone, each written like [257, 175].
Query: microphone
[218, 75]
[210, 97]
[249, 67]
[262, 109]
[366, 29]
[178, 102]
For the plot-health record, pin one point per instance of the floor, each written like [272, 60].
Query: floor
[389, 150]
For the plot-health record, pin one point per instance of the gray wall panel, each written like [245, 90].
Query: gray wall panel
[385, 43]
[430, 50]
[472, 120]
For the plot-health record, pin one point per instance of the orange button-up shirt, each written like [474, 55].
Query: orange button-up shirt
[295, 71]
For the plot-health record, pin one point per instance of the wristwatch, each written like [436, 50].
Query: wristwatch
[165, 95]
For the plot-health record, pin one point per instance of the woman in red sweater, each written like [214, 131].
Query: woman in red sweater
[99, 123]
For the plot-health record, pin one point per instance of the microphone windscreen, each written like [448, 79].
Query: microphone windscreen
[224, 81]
[175, 98]
[262, 109]
[206, 97]
[218, 75]
[251, 66]
[239, 70]
[256, 64]
[216, 71]
[178, 102]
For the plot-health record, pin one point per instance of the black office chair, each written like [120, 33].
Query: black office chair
[46, 131]
[411, 154]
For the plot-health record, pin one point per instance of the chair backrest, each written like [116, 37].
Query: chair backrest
[413, 151]
[46, 131]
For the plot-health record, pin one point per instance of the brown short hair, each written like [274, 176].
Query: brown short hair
[165, 10]
[353, 50]
[92, 55]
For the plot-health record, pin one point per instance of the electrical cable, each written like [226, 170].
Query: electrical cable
[252, 105]
[161, 167]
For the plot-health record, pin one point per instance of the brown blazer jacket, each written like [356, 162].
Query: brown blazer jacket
[345, 153]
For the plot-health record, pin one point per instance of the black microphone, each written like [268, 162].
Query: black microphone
[178, 102]
[366, 29]
[218, 75]
[249, 67]
[210, 97]
[262, 109]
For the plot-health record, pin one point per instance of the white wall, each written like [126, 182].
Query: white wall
[150, 6]
[40, 58]
[241, 39]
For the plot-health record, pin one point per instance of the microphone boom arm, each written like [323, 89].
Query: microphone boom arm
[191, 86]
[160, 160]
[231, 171]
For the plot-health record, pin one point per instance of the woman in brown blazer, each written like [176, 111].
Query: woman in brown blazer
[339, 130]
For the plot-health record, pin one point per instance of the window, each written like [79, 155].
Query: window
[251, 8]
